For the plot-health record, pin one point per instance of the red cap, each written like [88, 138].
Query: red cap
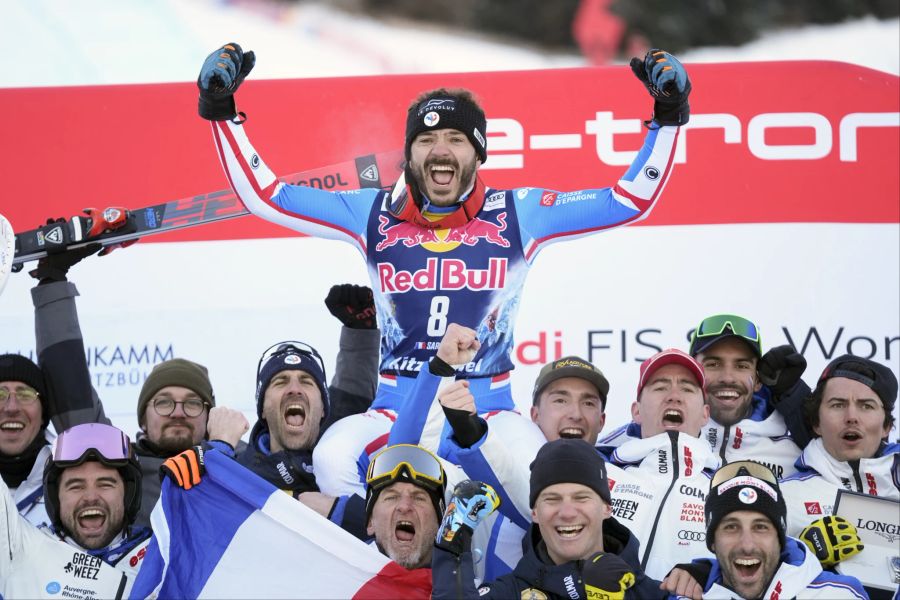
[669, 357]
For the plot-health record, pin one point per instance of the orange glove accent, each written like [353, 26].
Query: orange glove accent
[185, 469]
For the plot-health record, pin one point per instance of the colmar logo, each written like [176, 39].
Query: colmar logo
[813, 508]
[548, 198]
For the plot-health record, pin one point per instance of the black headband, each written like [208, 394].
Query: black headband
[448, 113]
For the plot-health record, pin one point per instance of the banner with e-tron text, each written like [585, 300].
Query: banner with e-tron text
[783, 207]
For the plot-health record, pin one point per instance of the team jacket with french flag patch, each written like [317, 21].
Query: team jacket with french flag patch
[472, 274]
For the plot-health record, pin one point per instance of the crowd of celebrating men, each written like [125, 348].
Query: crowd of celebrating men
[722, 485]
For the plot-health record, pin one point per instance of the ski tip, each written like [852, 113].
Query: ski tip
[7, 250]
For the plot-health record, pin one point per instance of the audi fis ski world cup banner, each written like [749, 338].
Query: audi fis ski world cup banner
[782, 207]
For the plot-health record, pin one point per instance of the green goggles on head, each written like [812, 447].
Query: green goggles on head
[711, 329]
[746, 468]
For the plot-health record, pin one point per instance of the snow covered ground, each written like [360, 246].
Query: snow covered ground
[60, 42]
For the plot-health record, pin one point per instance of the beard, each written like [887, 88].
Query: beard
[173, 443]
[756, 588]
[413, 558]
[417, 177]
[730, 415]
[114, 524]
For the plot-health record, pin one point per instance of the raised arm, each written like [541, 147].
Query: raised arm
[60, 344]
[333, 215]
[547, 216]
[355, 378]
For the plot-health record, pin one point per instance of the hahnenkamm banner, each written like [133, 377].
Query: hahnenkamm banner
[782, 207]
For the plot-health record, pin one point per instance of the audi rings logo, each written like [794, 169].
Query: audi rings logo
[651, 173]
[691, 536]
[254, 161]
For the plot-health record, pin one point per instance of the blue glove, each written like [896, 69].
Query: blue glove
[667, 81]
[470, 504]
[222, 72]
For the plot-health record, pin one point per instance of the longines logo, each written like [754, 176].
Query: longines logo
[889, 531]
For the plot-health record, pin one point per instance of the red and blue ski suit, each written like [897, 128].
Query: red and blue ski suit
[424, 277]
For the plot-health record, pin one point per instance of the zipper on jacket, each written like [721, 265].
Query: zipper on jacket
[854, 466]
[725, 435]
[673, 440]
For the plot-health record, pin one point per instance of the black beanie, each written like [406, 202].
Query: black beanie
[568, 461]
[291, 358]
[744, 491]
[15, 367]
[448, 112]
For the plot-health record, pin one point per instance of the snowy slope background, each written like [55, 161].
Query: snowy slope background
[59, 42]
[91, 42]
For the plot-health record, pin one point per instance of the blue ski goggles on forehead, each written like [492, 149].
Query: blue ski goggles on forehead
[711, 329]
[415, 462]
[289, 347]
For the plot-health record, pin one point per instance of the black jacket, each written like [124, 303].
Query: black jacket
[453, 577]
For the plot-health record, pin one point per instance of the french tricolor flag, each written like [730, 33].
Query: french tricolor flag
[236, 536]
